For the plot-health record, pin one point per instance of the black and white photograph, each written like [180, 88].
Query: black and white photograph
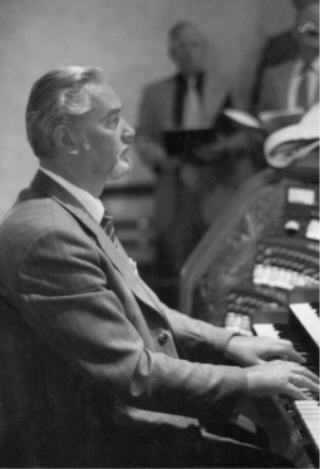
[159, 234]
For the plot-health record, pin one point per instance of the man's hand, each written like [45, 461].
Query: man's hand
[256, 350]
[281, 377]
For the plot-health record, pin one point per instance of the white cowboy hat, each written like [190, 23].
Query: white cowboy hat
[294, 142]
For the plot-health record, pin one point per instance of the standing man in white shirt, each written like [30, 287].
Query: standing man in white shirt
[192, 98]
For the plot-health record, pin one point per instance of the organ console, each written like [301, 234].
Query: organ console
[256, 271]
[302, 328]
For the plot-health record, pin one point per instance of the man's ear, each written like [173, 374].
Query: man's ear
[65, 139]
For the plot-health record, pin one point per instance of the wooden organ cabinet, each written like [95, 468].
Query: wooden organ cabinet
[256, 271]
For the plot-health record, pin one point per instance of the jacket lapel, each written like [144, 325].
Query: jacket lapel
[214, 96]
[44, 184]
[164, 98]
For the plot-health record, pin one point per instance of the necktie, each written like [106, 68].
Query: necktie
[303, 89]
[108, 226]
[192, 115]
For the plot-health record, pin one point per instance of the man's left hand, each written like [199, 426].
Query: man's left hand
[249, 351]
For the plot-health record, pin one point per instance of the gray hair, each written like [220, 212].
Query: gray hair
[175, 29]
[58, 97]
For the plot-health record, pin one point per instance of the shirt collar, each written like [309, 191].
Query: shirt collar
[182, 80]
[93, 205]
[314, 65]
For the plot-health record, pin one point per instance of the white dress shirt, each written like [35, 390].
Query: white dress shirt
[93, 205]
[192, 113]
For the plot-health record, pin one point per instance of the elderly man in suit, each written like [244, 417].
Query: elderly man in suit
[295, 82]
[95, 369]
[165, 105]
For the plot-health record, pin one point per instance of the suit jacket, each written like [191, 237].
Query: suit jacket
[87, 348]
[278, 49]
[274, 87]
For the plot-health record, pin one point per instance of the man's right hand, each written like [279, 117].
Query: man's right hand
[281, 377]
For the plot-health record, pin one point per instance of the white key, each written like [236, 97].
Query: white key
[266, 330]
[308, 319]
[309, 412]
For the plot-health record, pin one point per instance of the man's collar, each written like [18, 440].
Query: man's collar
[314, 65]
[46, 185]
[93, 205]
[182, 79]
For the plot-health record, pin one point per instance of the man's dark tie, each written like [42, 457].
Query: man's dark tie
[108, 226]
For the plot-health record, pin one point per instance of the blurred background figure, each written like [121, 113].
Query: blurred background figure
[193, 98]
[278, 49]
[290, 78]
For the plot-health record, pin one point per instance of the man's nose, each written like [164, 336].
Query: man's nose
[128, 133]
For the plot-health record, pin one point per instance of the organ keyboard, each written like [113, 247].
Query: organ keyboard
[308, 318]
[308, 412]
[302, 329]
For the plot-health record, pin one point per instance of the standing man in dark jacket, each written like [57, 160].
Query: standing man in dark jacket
[279, 50]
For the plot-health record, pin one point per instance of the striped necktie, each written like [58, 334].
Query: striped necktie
[108, 226]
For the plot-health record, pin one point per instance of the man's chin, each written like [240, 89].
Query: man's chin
[120, 170]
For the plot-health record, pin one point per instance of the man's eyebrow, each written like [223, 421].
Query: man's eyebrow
[116, 110]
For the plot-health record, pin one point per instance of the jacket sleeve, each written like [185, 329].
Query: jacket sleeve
[71, 303]
[195, 334]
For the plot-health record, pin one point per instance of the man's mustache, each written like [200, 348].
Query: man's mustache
[308, 28]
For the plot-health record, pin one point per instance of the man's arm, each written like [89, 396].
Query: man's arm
[196, 335]
[71, 302]
[266, 374]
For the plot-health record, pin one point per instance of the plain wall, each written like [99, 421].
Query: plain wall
[127, 38]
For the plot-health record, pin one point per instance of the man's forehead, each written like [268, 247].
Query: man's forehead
[188, 33]
[103, 97]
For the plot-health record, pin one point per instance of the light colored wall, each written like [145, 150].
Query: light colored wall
[127, 39]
